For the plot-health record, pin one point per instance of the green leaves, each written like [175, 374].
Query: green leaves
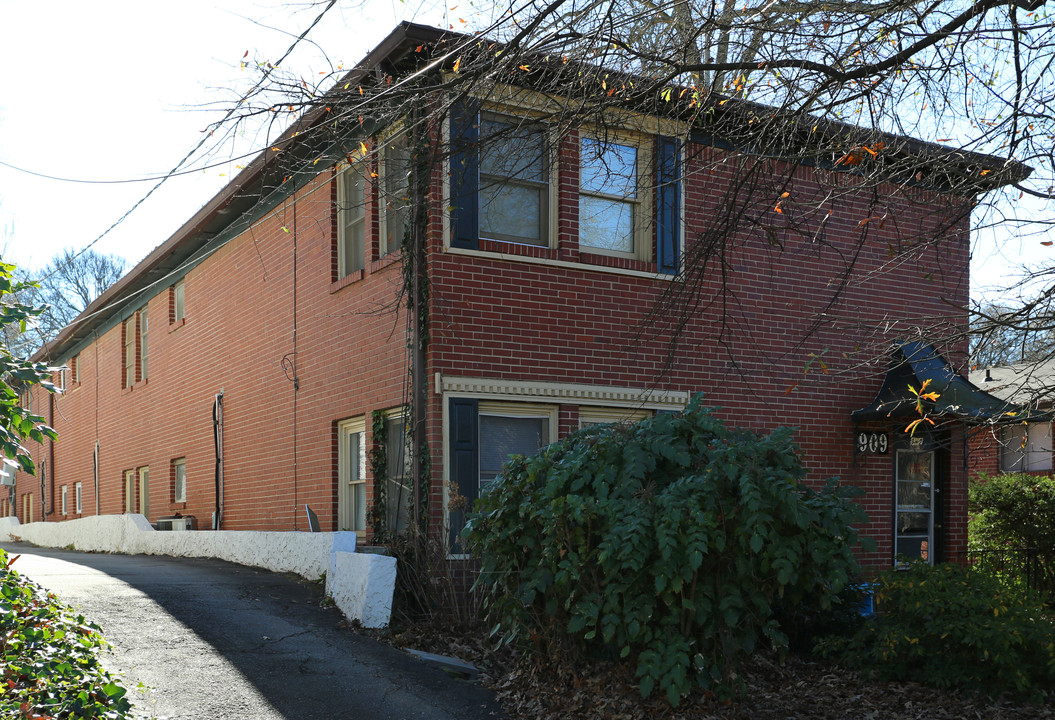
[16, 424]
[50, 657]
[1011, 512]
[665, 543]
[953, 626]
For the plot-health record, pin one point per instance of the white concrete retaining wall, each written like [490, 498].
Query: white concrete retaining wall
[361, 584]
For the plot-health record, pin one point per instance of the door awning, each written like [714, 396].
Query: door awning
[913, 364]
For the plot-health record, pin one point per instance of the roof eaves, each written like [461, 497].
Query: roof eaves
[204, 225]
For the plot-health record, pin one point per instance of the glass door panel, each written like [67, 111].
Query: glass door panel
[914, 506]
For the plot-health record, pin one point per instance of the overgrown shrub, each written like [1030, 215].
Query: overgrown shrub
[50, 664]
[1009, 513]
[665, 543]
[953, 626]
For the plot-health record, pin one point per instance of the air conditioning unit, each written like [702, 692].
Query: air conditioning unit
[7, 472]
[178, 523]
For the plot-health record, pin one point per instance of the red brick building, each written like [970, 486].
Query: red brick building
[257, 361]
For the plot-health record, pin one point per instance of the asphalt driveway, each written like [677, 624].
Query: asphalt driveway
[197, 639]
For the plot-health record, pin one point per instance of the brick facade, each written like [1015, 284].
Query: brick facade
[786, 330]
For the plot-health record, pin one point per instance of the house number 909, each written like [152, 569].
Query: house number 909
[873, 443]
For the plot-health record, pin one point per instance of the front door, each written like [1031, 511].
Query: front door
[914, 506]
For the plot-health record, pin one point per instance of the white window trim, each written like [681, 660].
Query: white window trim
[128, 371]
[143, 476]
[393, 414]
[643, 204]
[396, 133]
[550, 224]
[179, 463]
[346, 428]
[343, 169]
[129, 488]
[78, 494]
[142, 343]
[179, 301]
[566, 393]
[65, 501]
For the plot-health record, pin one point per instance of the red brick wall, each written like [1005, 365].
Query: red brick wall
[240, 336]
[790, 341]
[746, 349]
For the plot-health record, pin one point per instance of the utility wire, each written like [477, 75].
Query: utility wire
[234, 108]
[150, 178]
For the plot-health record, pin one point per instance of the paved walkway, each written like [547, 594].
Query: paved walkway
[197, 639]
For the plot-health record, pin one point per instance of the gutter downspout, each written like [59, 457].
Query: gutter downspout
[217, 436]
[95, 474]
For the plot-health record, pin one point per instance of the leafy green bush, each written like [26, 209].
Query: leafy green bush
[665, 543]
[1011, 512]
[50, 664]
[952, 626]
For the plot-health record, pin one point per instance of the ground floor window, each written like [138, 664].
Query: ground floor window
[601, 415]
[65, 505]
[130, 491]
[144, 491]
[27, 508]
[399, 491]
[179, 480]
[351, 475]
[482, 436]
[77, 494]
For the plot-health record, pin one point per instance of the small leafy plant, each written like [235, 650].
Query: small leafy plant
[50, 658]
[953, 626]
[666, 544]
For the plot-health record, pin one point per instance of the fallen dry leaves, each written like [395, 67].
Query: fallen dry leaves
[537, 687]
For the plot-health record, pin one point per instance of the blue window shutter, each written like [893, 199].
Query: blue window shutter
[668, 197]
[464, 433]
[464, 163]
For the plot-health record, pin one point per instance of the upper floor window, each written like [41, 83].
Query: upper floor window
[351, 220]
[514, 182]
[395, 169]
[503, 182]
[1026, 447]
[178, 311]
[610, 217]
[130, 351]
[144, 346]
[136, 331]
